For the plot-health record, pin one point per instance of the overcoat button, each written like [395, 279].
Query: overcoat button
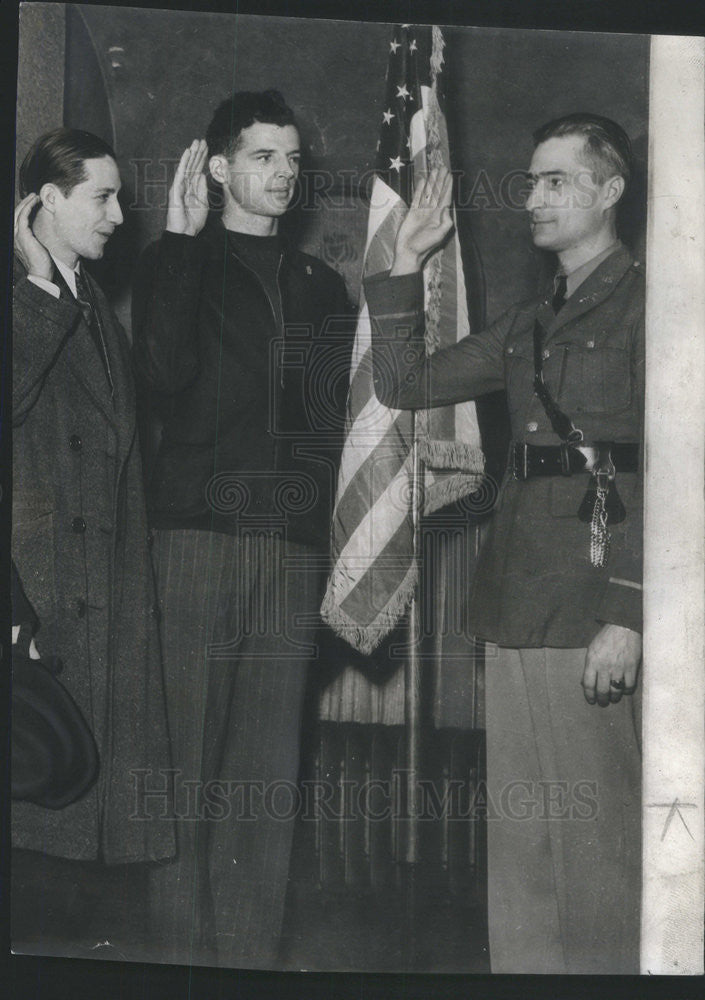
[78, 525]
[75, 443]
[80, 608]
[532, 426]
[591, 344]
[510, 350]
[545, 355]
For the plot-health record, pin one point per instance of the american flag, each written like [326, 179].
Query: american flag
[374, 572]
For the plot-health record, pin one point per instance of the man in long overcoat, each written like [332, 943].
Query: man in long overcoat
[79, 534]
[558, 584]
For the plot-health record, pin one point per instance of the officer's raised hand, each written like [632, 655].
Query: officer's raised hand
[188, 196]
[427, 222]
[611, 665]
[33, 254]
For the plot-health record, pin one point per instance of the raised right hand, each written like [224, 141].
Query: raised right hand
[33, 254]
[427, 223]
[188, 195]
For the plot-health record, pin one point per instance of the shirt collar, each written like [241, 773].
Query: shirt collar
[67, 273]
[575, 279]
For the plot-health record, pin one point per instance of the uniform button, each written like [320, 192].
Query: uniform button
[75, 443]
[510, 350]
[80, 608]
[591, 344]
[78, 525]
[545, 354]
[532, 426]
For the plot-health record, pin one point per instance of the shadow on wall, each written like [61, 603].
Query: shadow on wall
[631, 220]
[87, 106]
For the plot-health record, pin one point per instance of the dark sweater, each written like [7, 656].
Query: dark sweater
[252, 411]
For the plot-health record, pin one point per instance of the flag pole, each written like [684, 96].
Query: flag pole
[412, 714]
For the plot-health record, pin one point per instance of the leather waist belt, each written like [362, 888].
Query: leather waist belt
[564, 460]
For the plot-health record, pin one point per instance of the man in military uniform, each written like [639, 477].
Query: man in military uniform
[558, 585]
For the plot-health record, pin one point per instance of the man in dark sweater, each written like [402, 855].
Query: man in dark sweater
[243, 344]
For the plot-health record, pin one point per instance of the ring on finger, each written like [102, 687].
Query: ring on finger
[619, 685]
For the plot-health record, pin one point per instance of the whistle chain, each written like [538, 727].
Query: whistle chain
[599, 535]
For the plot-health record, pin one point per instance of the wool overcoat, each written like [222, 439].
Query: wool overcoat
[79, 541]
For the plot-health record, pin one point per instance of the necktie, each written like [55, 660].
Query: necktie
[559, 290]
[85, 301]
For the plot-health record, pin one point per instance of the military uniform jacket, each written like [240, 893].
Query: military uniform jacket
[79, 541]
[535, 585]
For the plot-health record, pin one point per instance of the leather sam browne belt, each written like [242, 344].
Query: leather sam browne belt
[528, 460]
[601, 505]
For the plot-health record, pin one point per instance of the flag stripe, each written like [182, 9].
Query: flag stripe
[370, 458]
[381, 248]
[382, 480]
[376, 588]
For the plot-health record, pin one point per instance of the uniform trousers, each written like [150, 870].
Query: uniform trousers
[564, 818]
[238, 618]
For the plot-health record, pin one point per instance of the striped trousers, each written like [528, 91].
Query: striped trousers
[564, 818]
[238, 618]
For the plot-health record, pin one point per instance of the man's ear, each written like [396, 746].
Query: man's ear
[48, 195]
[614, 189]
[218, 166]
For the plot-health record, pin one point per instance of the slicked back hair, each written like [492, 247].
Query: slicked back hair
[59, 157]
[241, 110]
[607, 150]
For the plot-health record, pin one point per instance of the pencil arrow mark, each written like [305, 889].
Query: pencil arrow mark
[674, 809]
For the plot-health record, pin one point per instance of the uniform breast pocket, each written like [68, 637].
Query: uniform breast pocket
[595, 380]
[519, 380]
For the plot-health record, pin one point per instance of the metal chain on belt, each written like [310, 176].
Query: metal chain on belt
[599, 535]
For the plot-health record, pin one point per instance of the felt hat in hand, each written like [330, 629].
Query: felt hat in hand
[54, 755]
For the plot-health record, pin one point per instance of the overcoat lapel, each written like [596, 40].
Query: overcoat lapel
[82, 356]
[123, 406]
[87, 366]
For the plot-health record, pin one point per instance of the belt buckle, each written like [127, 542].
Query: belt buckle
[520, 473]
[565, 459]
[604, 469]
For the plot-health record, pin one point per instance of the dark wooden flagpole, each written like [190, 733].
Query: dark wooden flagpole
[413, 722]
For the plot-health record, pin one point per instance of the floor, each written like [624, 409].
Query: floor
[351, 905]
[361, 929]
